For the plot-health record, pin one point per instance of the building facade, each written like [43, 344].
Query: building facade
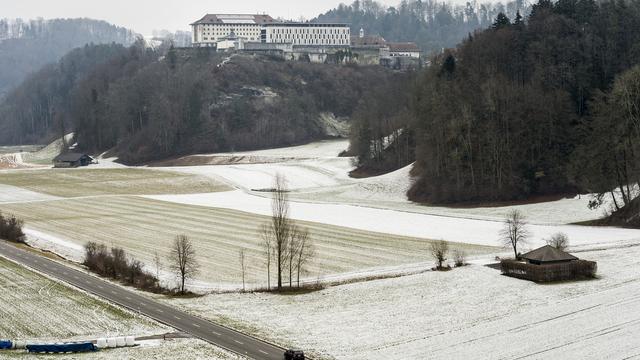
[306, 34]
[217, 27]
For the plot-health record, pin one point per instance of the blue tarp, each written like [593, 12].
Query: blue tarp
[5, 344]
[62, 348]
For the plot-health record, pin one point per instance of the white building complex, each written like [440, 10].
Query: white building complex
[215, 28]
[307, 34]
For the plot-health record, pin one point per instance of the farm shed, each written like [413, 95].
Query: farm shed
[72, 160]
[548, 264]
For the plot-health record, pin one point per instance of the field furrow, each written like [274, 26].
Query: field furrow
[143, 226]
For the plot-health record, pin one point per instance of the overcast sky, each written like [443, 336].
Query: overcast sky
[144, 16]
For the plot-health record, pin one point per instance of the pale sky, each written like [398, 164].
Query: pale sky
[144, 16]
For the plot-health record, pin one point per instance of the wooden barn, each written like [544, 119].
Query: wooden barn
[548, 264]
[72, 160]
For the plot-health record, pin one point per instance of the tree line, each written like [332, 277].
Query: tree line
[432, 25]
[536, 105]
[28, 45]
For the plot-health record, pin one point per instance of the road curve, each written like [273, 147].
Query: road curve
[206, 330]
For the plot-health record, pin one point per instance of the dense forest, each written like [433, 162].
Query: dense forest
[525, 108]
[433, 25]
[26, 46]
[149, 104]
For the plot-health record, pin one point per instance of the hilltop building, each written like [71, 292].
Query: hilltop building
[315, 42]
[307, 34]
[375, 50]
[215, 27]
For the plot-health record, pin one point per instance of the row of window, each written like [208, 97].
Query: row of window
[310, 36]
[310, 42]
[214, 39]
[310, 31]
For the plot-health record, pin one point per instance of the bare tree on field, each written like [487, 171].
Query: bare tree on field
[280, 224]
[183, 259]
[303, 251]
[267, 248]
[459, 258]
[243, 267]
[439, 250]
[515, 231]
[559, 241]
[157, 262]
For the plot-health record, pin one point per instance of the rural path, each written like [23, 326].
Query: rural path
[206, 330]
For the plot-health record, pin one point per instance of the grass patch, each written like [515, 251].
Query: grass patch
[91, 182]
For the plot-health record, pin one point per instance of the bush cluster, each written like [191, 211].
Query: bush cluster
[11, 228]
[115, 264]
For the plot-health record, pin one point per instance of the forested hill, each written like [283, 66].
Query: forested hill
[26, 46]
[431, 24]
[546, 104]
[149, 104]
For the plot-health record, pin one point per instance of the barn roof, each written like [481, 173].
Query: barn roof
[548, 253]
[70, 157]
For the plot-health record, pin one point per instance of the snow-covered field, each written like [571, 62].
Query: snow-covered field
[14, 194]
[359, 225]
[316, 174]
[93, 182]
[35, 307]
[143, 226]
[468, 313]
[403, 223]
[362, 228]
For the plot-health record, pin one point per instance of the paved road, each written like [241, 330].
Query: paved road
[203, 329]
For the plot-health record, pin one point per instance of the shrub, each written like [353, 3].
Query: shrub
[459, 258]
[11, 228]
[114, 264]
[439, 250]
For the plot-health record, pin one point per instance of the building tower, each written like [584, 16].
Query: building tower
[361, 33]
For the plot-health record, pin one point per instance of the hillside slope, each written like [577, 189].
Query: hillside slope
[26, 46]
[146, 104]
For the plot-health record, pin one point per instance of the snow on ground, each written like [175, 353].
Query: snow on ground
[318, 149]
[13, 194]
[34, 307]
[470, 312]
[299, 174]
[184, 349]
[316, 174]
[67, 249]
[456, 229]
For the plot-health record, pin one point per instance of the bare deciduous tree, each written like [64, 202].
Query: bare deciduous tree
[280, 224]
[267, 247]
[243, 267]
[183, 259]
[303, 250]
[515, 231]
[559, 241]
[157, 262]
[439, 250]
